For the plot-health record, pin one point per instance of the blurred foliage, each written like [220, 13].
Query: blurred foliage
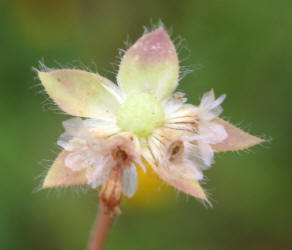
[242, 48]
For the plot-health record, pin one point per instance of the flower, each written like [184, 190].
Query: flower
[139, 122]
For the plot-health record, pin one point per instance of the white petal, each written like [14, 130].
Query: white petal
[210, 107]
[97, 175]
[218, 101]
[75, 161]
[101, 128]
[72, 126]
[216, 112]
[130, 180]
[173, 103]
[207, 99]
[216, 133]
[210, 133]
[64, 141]
[207, 153]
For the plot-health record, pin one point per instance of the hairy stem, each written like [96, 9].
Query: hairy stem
[100, 230]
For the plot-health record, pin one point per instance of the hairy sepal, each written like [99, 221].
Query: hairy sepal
[151, 65]
[81, 93]
[189, 186]
[236, 139]
[61, 176]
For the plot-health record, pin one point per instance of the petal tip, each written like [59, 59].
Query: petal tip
[43, 76]
[153, 47]
[237, 139]
[193, 187]
[47, 183]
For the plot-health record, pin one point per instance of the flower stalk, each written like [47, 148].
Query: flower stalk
[101, 229]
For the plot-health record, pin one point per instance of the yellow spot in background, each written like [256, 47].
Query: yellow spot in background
[152, 192]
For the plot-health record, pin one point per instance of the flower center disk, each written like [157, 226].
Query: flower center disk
[141, 114]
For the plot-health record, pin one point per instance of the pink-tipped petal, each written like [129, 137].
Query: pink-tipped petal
[81, 93]
[150, 65]
[237, 139]
[61, 176]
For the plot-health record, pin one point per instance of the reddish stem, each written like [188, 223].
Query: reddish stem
[100, 230]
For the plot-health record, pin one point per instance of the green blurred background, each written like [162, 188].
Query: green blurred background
[241, 48]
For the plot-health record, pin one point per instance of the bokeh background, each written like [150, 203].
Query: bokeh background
[241, 48]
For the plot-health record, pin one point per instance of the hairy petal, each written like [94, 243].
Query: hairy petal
[61, 176]
[150, 65]
[237, 139]
[81, 93]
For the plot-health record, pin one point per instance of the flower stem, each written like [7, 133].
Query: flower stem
[100, 230]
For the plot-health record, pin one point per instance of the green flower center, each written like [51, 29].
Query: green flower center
[141, 114]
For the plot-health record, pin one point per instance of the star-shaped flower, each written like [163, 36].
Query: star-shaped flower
[141, 121]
